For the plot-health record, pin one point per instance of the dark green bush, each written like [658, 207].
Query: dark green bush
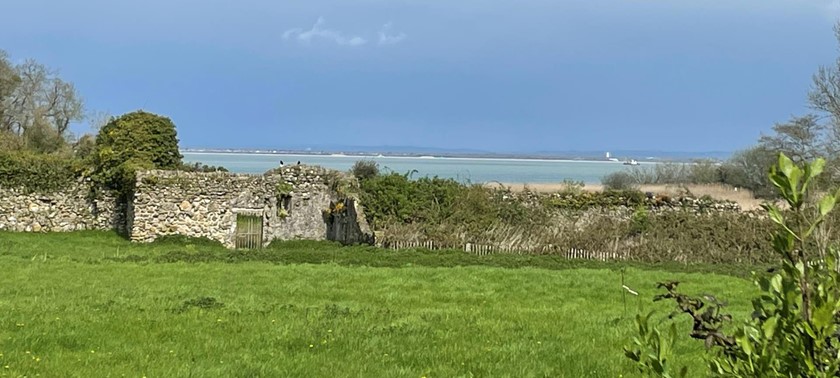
[394, 198]
[132, 142]
[36, 172]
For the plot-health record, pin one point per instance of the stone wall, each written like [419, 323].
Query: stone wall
[292, 202]
[71, 209]
[349, 224]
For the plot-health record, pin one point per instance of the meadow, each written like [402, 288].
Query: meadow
[93, 304]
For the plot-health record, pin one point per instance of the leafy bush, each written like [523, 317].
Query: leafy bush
[394, 198]
[36, 172]
[639, 221]
[619, 181]
[132, 142]
[365, 169]
[795, 326]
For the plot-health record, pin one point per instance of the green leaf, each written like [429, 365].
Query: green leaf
[786, 165]
[794, 178]
[776, 283]
[744, 342]
[827, 204]
[808, 330]
[775, 215]
[816, 167]
[769, 327]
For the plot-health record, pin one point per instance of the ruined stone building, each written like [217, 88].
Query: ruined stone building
[237, 210]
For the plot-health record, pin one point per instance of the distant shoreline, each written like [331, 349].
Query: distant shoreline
[541, 159]
[489, 157]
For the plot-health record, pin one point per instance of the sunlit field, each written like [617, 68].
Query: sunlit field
[92, 304]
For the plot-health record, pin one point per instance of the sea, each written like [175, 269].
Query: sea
[466, 170]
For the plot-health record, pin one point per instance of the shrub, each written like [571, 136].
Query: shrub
[704, 172]
[200, 167]
[639, 221]
[131, 142]
[10, 141]
[41, 137]
[84, 147]
[619, 181]
[365, 169]
[794, 330]
[571, 187]
[36, 172]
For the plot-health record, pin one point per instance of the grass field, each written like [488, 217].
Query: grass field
[91, 304]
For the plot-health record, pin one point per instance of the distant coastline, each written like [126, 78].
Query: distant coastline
[494, 158]
[560, 157]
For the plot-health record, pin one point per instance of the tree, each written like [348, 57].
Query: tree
[97, 120]
[825, 88]
[84, 147]
[31, 93]
[9, 80]
[748, 169]
[137, 140]
[41, 137]
[803, 139]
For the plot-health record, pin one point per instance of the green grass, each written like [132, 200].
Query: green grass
[91, 304]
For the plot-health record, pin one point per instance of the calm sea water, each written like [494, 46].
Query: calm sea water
[462, 169]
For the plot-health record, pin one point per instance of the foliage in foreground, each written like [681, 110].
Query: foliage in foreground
[793, 331]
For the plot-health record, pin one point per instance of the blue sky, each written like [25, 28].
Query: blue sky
[512, 76]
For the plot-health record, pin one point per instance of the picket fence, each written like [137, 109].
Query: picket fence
[487, 249]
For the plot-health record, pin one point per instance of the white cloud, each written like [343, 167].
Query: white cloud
[319, 31]
[387, 38]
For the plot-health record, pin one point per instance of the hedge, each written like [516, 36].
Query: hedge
[33, 172]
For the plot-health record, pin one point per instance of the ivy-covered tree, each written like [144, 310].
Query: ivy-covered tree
[131, 142]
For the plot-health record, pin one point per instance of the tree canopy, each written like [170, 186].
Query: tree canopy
[37, 107]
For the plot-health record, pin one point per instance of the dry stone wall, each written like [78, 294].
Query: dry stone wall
[76, 207]
[292, 202]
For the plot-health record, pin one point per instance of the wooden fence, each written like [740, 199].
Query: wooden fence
[487, 249]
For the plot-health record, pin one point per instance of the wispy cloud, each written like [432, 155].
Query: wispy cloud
[387, 37]
[319, 31]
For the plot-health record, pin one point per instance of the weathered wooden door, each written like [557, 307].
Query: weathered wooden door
[249, 231]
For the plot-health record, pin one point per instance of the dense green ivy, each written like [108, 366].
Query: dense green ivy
[132, 142]
[33, 172]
